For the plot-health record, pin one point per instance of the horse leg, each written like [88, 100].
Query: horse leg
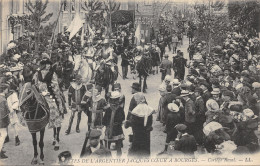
[144, 85]
[34, 138]
[54, 136]
[41, 145]
[57, 145]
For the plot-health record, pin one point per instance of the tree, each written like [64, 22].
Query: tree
[244, 15]
[37, 17]
[211, 27]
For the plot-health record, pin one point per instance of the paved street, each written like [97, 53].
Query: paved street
[73, 142]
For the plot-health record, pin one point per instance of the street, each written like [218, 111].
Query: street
[74, 141]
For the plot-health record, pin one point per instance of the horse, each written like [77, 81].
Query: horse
[36, 114]
[82, 67]
[143, 67]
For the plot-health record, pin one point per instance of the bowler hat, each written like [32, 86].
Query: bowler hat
[136, 86]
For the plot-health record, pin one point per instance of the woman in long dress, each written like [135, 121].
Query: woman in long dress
[141, 122]
[47, 82]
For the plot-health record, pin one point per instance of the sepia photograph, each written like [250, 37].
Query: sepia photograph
[129, 82]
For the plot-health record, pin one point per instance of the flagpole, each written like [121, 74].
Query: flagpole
[56, 23]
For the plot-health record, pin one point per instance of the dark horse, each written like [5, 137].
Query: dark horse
[36, 114]
[105, 76]
[143, 67]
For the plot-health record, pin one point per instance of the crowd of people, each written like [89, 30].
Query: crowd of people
[216, 106]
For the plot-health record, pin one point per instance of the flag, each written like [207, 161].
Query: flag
[77, 24]
[82, 36]
[138, 35]
[71, 26]
[91, 33]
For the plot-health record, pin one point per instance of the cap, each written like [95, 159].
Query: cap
[136, 86]
[184, 93]
[181, 127]
[173, 107]
[95, 134]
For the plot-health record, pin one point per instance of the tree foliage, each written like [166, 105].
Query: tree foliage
[37, 18]
[211, 27]
[244, 15]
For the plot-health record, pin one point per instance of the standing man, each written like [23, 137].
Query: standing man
[185, 142]
[75, 95]
[67, 71]
[180, 63]
[190, 114]
[165, 67]
[124, 63]
[113, 120]
[4, 117]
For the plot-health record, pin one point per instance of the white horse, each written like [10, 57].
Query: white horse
[82, 67]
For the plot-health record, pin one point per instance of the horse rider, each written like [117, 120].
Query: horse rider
[75, 94]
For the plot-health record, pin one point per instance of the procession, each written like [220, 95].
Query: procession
[115, 82]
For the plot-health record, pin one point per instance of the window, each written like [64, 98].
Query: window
[147, 2]
[73, 5]
[65, 6]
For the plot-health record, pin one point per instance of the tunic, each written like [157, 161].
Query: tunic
[4, 112]
[96, 111]
[114, 119]
[75, 95]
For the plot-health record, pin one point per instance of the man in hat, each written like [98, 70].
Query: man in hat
[173, 118]
[165, 66]
[125, 63]
[176, 87]
[75, 95]
[95, 148]
[113, 120]
[200, 114]
[216, 95]
[190, 113]
[179, 65]
[4, 118]
[185, 142]
[96, 105]
[227, 97]
[117, 87]
[136, 91]
[206, 94]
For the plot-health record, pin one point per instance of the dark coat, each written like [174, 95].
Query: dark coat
[118, 120]
[173, 118]
[200, 109]
[166, 66]
[4, 113]
[132, 105]
[141, 136]
[205, 96]
[169, 97]
[186, 144]
[190, 113]
[124, 59]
